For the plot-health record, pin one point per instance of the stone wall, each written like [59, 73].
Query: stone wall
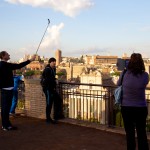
[73, 71]
[34, 99]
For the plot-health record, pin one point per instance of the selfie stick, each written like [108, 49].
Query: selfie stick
[43, 36]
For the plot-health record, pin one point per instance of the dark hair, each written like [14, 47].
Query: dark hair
[136, 64]
[2, 54]
[52, 59]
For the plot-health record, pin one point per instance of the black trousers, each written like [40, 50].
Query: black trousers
[6, 101]
[135, 118]
[58, 107]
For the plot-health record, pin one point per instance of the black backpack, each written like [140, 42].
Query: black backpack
[43, 81]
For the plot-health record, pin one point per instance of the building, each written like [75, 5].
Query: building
[36, 65]
[58, 57]
[97, 60]
[93, 104]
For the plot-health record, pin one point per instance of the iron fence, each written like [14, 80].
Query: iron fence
[93, 103]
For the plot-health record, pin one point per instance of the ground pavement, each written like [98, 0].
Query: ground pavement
[35, 134]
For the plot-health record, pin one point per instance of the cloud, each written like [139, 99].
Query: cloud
[88, 51]
[68, 7]
[52, 39]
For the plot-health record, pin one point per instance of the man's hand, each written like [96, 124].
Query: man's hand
[33, 58]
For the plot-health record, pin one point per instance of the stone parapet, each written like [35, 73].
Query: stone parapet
[34, 99]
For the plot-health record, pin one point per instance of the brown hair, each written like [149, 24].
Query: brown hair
[2, 54]
[136, 64]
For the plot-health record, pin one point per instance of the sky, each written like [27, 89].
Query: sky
[77, 27]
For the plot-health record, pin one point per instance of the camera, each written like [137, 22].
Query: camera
[122, 64]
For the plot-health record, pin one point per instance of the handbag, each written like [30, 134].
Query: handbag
[118, 91]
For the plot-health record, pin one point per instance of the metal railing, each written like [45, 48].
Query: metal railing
[87, 102]
[93, 103]
[21, 96]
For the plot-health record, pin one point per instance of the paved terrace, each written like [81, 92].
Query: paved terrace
[35, 134]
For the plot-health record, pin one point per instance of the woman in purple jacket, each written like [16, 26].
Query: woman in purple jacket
[134, 106]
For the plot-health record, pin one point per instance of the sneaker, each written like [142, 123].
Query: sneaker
[12, 114]
[5, 129]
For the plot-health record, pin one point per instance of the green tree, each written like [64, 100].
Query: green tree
[29, 73]
[115, 73]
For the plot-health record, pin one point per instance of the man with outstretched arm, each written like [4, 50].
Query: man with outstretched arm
[6, 86]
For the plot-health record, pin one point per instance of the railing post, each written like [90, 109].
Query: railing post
[110, 108]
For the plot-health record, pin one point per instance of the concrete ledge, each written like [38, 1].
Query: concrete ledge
[97, 126]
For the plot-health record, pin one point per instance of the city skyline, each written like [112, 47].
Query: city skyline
[91, 27]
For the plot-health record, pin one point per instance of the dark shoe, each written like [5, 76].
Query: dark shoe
[12, 128]
[51, 121]
[59, 117]
[55, 122]
[48, 121]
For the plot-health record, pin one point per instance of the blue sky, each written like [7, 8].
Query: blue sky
[91, 27]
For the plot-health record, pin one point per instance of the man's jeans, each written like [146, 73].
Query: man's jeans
[14, 101]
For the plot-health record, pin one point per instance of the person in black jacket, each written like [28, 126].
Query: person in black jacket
[49, 87]
[7, 85]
